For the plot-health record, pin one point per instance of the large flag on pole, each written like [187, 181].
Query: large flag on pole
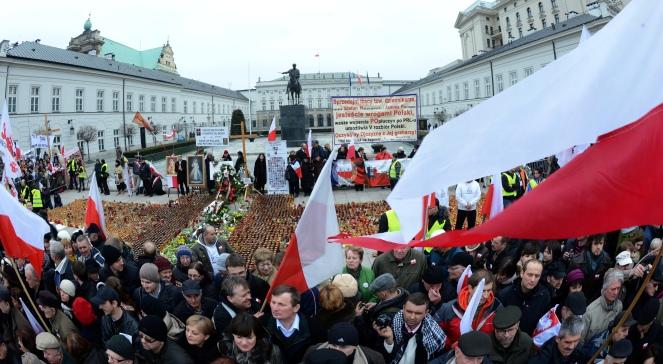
[8, 149]
[493, 203]
[471, 310]
[141, 122]
[351, 152]
[309, 144]
[310, 259]
[21, 231]
[271, 137]
[569, 102]
[94, 212]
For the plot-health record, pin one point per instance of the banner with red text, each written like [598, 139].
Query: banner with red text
[375, 119]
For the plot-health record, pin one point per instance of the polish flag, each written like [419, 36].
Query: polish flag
[309, 258]
[464, 279]
[298, 169]
[7, 145]
[547, 327]
[21, 231]
[271, 137]
[62, 151]
[94, 212]
[493, 204]
[351, 150]
[153, 169]
[309, 144]
[170, 136]
[471, 310]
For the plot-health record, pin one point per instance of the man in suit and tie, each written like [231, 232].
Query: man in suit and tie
[180, 168]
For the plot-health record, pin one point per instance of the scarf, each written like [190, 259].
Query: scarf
[432, 335]
[464, 300]
[593, 260]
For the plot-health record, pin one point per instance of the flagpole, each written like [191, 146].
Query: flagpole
[27, 294]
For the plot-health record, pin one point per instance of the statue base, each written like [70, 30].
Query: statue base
[293, 124]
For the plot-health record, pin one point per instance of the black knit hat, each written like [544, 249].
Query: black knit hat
[120, 345]
[153, 327]
[110, 254]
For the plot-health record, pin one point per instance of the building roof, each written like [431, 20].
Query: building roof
[123, 53]
[571, 23]
[323, 76]
[42, 53]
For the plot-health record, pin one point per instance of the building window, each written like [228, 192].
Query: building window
[477, 89]
[329, 120]
[195, 108]
[513, 77]
[310, 103]
[116, 138]
[448, 93]
[153, 103]
[319, 103]
[520, 32]
[466, 90]
[34, 99]
[271, 105]
[100, 140]
[528, 71]
[79, 100]
[141, 103]
[439, 97]
[457, 92]
[55, 99]
[427, 99]
[487, 30]
[500, 83]
[100, 100]
[321, 120]
[529, 12]
[186, 107]
[130, 140]
[12, 91]
[116, 101]
[130, 102]
[517, 17]
[487, 85]
[311, 121]
[173, 105]
[264, 105]
[163, 104]
[541, 7]
[508, 22]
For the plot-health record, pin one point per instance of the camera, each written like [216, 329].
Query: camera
[383, 320]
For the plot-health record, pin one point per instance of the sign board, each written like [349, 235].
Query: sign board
[374, 119]
[377, 172]
[212, 136]
[40, 141]
[276, 154]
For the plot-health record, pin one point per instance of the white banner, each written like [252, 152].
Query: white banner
[69, 152]
[375, 119]
[212, 136]
[40, 141]
[276, 154]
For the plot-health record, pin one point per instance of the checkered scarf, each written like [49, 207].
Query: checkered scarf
[432, 335]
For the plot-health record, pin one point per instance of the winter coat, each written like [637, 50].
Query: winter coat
[598, 317]
[128, 276]
[549, 354]
[533, 304]
[206, 354]
[293, 347]
[199, 253]
[225, 311]
[61, 326]
[407, 271]
[520, 350]
[593, 281]
[207, 305]
[260, 173]
[362, 354]
[263, 353]
[126, 324]
[364, 323]
[450, 314]
[169, 296]
[170, 353]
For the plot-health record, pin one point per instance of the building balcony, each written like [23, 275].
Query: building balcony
[555, 8]
[542, 15]
[519, 23]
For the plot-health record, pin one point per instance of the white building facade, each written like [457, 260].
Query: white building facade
[317, 91]
[449, 91]
[71, 90]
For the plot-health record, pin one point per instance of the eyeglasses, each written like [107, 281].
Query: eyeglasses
[507, 330]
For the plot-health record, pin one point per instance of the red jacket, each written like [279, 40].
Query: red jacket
[450, 314]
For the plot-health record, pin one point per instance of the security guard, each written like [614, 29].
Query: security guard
[535, 180]
[24, 192]
[104, 177]
[71, 168]
[395, 172]
[36, 199]
[438, 219]
[511, 187]
[82, 176]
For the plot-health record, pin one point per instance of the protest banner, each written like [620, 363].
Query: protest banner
[40, 141]
[212, 136]
[276, 154]
[374, 119]
[377, 171]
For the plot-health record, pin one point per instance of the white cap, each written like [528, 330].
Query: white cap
[624, 258]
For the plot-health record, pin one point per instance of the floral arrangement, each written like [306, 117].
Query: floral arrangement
[229, 182]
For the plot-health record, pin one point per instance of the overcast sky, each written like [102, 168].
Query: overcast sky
[232, 43]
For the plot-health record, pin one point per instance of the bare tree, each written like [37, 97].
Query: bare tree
[87, 133]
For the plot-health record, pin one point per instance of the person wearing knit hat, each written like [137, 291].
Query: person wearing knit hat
[155, 346]
[110, 254]
[64, 235]
[184, 260]
[119, 349]
[67, 294]
[347, 284]
[83, 311]
[165, 269]
[574, 280]
[150, 280]
[431, 285]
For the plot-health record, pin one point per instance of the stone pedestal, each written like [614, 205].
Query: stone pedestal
[293, 124]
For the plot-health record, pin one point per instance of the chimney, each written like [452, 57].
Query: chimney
[4, 47]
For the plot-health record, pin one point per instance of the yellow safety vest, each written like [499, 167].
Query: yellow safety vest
[82, 173]
[104, 170]
[392, 221]
[511, 179]
[533, 183]
[36, 199]
[436, 226]
[72, 166]
[393, 174]
[24, 193]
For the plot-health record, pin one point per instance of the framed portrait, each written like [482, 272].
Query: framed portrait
[196, 171]
[171, 163]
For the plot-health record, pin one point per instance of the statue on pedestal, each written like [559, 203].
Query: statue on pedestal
[294, 88]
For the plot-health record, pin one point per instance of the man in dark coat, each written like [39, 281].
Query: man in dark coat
[146, 177]
[154, 345]
[236, 267]
[235, 298]
[509, 344]
[180, 169]
[194, 302]
[562, 349]
[115, 265]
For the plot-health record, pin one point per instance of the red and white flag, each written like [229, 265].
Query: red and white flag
[359, 80]
[464, 279]
[351, 150]
[471, 310]
[309, 144]
[94, 212]
[62, 151]
[8, 150]
[298, 169]
[21, 231]
[310, 259]
[271, 137]
[493, 203]
[153, 169]
[170, 136]
[547, 327]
